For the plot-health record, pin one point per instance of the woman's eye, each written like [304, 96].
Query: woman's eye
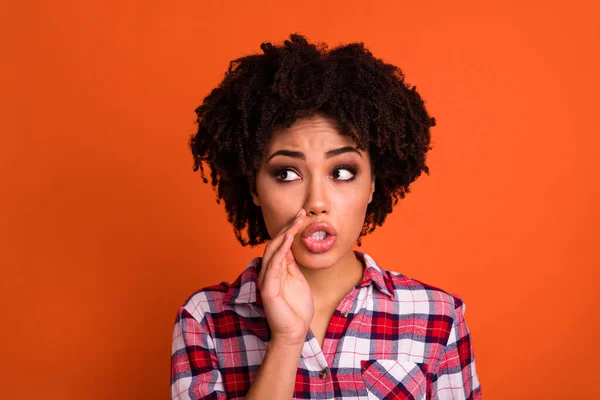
[343, 174]
[287, 175]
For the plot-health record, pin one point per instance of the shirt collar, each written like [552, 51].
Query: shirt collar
[244, 289]
[375, 274]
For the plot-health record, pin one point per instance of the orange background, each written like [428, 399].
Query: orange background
[105, 228]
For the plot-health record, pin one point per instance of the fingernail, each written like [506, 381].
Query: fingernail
[299, 212]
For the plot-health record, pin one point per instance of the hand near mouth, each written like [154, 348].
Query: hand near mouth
[286, 295]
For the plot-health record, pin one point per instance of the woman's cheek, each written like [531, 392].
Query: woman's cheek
[277, 212]
[352, 202]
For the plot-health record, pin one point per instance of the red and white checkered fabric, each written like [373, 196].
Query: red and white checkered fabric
[391, 337]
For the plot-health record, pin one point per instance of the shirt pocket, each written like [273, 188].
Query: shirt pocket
[393, 379]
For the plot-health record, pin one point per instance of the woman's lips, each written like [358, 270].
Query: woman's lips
[316, 227]
[319, 245]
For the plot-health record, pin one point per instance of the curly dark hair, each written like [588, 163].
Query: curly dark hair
[367, 97]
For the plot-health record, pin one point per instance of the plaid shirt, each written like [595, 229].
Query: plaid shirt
[391, 337]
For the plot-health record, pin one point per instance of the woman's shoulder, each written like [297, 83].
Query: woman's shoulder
[407, 286]
[213, 299]
[408, 289]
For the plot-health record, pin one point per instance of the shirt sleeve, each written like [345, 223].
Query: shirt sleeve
[195, 373]
[457, 377]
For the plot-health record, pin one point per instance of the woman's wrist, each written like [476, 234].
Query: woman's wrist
[276, 376]
[289, 342]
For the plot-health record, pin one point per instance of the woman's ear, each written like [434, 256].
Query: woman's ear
[255, 199]
[372, 190]
[253, 193]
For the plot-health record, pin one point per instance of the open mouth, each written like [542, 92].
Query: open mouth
[319, 237]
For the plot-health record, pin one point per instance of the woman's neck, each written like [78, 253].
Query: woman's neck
[330, 285]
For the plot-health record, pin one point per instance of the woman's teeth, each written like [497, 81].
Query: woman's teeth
[319, 235]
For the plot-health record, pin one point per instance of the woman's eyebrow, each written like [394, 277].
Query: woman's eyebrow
[328, 154]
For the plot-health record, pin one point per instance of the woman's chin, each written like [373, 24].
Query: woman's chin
[310, 260]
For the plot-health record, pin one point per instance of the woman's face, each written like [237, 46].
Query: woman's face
[312, 166]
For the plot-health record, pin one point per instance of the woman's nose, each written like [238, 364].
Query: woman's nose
[316, 202]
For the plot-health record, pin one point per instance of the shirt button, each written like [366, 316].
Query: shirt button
[344, 313]
[323, 373]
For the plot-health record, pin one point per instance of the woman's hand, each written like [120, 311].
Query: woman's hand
[286, 295]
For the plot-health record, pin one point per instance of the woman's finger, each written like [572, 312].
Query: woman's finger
[275, 243]
[292, 266]
[272, 247]
[274, 268]
[294, 225]
[290, 223]
[295, 228]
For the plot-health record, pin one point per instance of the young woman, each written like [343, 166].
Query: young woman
[309, 149]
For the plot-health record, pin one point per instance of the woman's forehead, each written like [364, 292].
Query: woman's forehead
[317, 132]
